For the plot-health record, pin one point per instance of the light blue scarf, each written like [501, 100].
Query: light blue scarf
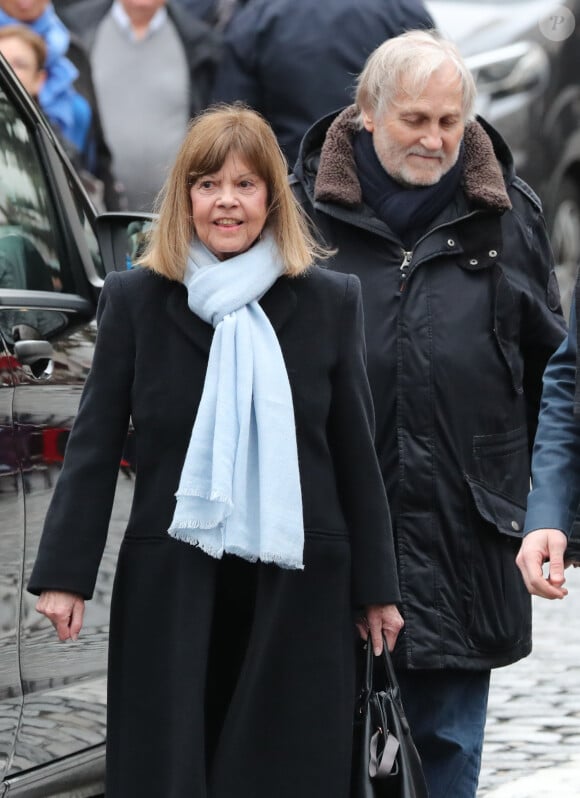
[239, 490]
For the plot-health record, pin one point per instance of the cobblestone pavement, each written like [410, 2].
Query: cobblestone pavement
[532, 743]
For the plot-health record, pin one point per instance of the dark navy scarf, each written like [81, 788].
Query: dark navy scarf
[406, 210]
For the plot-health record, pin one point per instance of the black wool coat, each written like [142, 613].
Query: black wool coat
[287, 732]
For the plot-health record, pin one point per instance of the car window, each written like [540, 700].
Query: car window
[28, 229]
[86, 216]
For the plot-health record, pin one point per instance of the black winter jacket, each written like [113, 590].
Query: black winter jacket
[458, 333]
[295, 61]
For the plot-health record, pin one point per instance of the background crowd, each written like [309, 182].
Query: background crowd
[122, 118]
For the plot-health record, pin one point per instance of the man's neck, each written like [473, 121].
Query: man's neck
[139, 22]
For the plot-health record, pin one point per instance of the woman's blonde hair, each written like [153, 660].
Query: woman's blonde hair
[214, 134]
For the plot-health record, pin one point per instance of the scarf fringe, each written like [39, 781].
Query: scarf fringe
[180, 533]
[269, 559]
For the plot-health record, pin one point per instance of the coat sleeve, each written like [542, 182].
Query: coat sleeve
[360, 484]
[544, 326]
[555, 495]
[76, 524]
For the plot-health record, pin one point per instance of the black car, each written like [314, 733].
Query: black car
[52, 696]
[525, 56]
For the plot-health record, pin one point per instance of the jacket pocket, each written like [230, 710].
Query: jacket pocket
[497, 509]
[499, 606]
[501, 461]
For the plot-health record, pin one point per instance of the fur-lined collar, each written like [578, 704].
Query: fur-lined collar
[337, 180]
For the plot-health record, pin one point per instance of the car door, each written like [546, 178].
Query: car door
[11, 559]
[52, 696]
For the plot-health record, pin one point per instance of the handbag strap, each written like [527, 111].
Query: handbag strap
[391, 681]
[379, 769]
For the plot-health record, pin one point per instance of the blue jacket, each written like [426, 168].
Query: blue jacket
[555, 495]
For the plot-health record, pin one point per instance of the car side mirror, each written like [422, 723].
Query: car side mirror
[121, 238]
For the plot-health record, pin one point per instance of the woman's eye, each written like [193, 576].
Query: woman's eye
[246, 184]
[205, 184]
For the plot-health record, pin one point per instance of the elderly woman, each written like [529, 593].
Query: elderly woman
[259, 522]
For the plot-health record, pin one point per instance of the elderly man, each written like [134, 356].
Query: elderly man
[462, 312]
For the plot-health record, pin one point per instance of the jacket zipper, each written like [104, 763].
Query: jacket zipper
[404, 267]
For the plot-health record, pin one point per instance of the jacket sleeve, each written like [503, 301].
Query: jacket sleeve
[76, 524]
[555, 495]
[360, 484]
[544, 327]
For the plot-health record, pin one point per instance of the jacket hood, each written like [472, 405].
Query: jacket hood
[327, 168]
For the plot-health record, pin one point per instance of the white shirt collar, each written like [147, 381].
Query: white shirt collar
[122, 19]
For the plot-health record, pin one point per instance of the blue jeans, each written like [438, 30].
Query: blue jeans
[446, 712]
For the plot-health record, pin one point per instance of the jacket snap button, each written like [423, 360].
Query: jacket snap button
[515, 526]
[493, 253]
[450, 242]
[473, 262]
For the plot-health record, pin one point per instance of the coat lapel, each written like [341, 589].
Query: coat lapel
[194, 328]
[279, 303]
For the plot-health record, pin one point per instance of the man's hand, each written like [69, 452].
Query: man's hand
[381, 619]
[64, 610]
[538, 547]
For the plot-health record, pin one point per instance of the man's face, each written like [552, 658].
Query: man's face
[24, 10]
[417, 140]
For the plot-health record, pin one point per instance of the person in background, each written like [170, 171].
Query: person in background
[555, 496]
[263, 527]
[25, 51]
[146, 107]
[66, 91]
[462, 312]
[82, 15]
[296, 60]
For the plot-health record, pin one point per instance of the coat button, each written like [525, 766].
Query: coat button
[492, 253]
[515, 526]
[473, 262]
[450, 242]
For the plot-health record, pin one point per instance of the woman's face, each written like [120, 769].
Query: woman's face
[22, 58]
[229, 208]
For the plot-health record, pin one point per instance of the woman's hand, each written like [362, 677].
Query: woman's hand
[64, 610]
[381, 619]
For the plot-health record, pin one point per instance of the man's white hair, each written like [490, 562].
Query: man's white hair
[406, 63]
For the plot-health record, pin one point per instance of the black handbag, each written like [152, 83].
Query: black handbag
[386, 763]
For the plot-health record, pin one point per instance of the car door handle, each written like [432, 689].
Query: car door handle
[36, 354]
